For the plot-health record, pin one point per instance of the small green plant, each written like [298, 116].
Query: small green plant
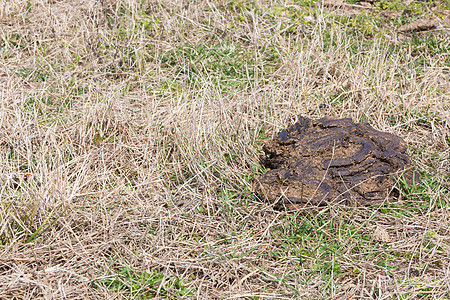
[231, 65]
[36, 75]
[48, 222]
[26, 224]
[143, 285]
[389, 4]
[310, 241]
[427, 186]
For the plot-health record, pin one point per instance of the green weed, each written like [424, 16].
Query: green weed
[14, 40]
[309, 240]
[227, 64]
[143, 285]
[427, 193]
[35, 74]
[48, 222]
[391, 5]
[25, 224]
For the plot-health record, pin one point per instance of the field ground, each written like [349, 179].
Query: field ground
[130, 132]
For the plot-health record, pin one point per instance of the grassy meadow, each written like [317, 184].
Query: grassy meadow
[131, 132]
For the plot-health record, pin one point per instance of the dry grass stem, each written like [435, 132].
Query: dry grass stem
[130, 132]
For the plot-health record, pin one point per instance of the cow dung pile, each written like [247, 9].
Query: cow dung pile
[332, 161]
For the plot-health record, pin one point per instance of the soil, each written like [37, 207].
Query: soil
[440, 19]
[332, 160]
[420, 25]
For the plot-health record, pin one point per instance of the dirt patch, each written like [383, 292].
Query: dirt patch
[391, 14]
[420, 25]
[332, 160]
[344, 8]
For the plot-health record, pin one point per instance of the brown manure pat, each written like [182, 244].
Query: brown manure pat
[332, 160]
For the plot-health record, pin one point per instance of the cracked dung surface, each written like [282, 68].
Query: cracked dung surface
[332, 160]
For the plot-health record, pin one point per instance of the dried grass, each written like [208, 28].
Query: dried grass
[109, 158]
